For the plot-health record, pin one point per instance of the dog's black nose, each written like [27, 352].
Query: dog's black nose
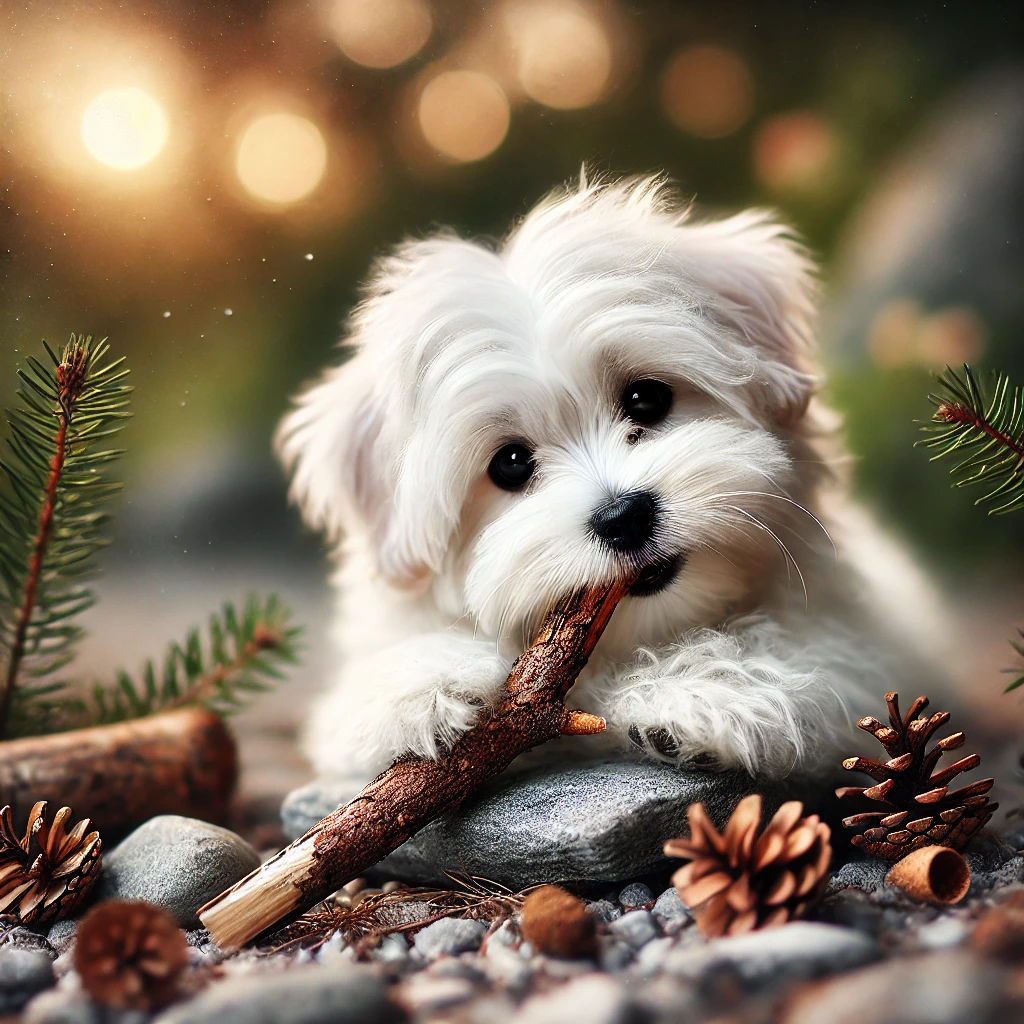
[626, 522]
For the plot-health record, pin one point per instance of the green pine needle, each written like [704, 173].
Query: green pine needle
[987, 431]
[54, 486]
[243, 655]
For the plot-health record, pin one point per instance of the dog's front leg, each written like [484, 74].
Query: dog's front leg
[744, 699]
[416, 696]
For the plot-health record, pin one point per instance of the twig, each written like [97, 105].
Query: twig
[414, 791]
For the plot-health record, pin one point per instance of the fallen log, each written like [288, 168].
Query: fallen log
[175, 762]
[415, 790]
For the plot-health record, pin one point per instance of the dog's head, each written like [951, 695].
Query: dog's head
[614, 385]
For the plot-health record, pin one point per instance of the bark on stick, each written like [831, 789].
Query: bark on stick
[414, 791]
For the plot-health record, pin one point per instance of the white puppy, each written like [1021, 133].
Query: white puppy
[614, 385]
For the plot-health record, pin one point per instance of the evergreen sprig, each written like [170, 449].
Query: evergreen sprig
[52, 515]
[988, 431]
[242, 656]
[54, 491]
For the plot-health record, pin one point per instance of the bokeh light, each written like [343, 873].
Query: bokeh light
[281, 158]
[380, 33]
[795, 151]
[707, 91]
[561, 50]
[464, 115]
[124, 128]
[902, 334]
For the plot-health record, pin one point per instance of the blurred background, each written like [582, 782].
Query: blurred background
[206, 184]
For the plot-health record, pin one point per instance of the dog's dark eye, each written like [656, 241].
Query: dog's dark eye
[511, 466]
[646, 401]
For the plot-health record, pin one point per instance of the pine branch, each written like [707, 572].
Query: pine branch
[51, 516]
[988, 431]
[241, 657]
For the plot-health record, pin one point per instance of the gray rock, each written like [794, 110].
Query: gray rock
[635, 928]
[598, 820]
[61, 1006]
[450, 935]
[867, 875]
[636, 894]
[604, 910]
[614, 955]
[392, 950]
[177, 863]
[670, 911]
[23, 974]
[426, 994]
[798, 951]
[595, 998]
[346, 994]
[62, 933]
[941, 988]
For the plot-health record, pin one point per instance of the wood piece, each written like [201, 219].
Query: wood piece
[415, 790]
[176, 762]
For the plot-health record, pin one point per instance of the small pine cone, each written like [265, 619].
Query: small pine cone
[46, 873]
[738, 880]
[909, 806]
[130, 955]
[557, 923]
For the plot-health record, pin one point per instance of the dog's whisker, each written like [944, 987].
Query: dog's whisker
[782, 546]
[788, 501]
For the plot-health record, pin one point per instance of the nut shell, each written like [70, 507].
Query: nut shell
[557, 923]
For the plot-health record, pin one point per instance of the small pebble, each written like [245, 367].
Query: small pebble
[942, 933]
[393, 949]
[423, 993]
[614, 955]
[449, 936]
[636, 895]
[604, 910]
[670, 911]
[23, 974]
[635, 928]
[594, 998]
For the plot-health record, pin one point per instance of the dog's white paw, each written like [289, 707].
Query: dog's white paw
[415, 697]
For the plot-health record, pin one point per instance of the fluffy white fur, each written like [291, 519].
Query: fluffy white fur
[769, 641]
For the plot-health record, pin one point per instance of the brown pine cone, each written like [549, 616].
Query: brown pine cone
[130, 955]
[738, 880]
[47, 872]
[909, 807]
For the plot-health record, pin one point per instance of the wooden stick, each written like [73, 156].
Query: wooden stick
[178, 762]
[415, 790]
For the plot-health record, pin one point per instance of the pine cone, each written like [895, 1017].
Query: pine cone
[739, 881]
[46, 873]
[130, 955]
[909, 807]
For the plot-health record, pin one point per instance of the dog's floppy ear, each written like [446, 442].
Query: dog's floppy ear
[331, 443]
[765, 290]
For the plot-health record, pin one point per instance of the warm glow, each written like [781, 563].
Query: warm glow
[463, 114]
[707, 91]
[563, 57]
[281, 158]
[124, 128]
[902, 334]
[795, 151]
[380, 33]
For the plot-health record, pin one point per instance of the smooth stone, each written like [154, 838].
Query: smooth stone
[800, 950]
[450, 935]
[393, 949]
[636, 928]
[951, 987]
[635, 895]
[24, 973]
[345, 994]
[670, 911]
[594, 998]
[62, 933]
[614, 955]
[596, 820]
[427, 994]
[604, 910]
[177, 863]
